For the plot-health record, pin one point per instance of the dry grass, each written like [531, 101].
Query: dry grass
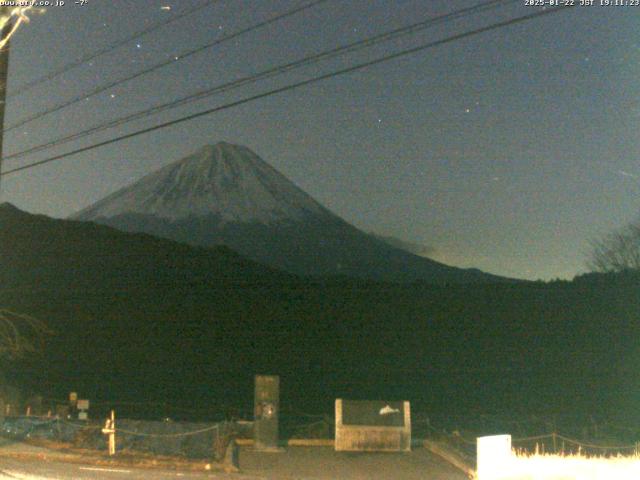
[570, 467]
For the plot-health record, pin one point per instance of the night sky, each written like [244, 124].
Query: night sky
[507, 151]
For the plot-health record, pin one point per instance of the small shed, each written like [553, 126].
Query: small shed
[373, 426]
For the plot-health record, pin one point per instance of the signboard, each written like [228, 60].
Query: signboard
[372, 425]
[83, 404]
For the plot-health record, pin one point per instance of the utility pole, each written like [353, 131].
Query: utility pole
[4, 74]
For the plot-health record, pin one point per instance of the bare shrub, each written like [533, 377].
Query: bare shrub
[20, 334]
[617, 252]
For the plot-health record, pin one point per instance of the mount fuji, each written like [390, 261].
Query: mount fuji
[226, 194]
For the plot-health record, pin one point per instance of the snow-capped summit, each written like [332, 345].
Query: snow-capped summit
[225, 180]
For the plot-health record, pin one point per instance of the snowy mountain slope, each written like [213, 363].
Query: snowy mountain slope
[226, 194]
[225, 180]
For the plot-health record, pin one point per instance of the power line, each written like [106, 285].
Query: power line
[271, 72]
[162, 64]
[114, 46]
[296, 85]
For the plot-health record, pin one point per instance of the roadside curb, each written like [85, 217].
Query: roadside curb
[123, 459]
[452, 458]
[292, 442]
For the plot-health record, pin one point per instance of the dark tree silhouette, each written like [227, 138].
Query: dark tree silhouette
[618, 251]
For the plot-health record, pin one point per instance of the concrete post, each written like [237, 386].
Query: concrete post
[494, 456]
[266, 412]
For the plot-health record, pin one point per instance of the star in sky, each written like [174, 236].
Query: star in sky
[496, 98]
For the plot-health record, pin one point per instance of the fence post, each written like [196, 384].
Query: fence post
[110, 429]
[112, 437]
[555, 445]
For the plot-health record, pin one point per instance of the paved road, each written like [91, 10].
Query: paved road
[35, 469]
[27, 462]
[323, 463]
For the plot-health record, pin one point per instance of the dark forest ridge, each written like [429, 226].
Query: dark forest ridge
[137, 317]
[86, 252]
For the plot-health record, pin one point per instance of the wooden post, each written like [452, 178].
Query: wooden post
[112, 435]
[110, 429]
[555, 446]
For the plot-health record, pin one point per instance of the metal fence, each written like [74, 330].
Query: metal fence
[183, 439]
